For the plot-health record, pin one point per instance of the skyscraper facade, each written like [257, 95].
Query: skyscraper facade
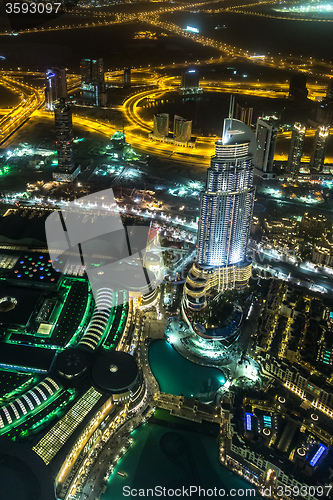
[85, 71]
[56, 87]
[92, 81]
[127, 77]
[266, 134]
[92, 72]
[66, 170]
[225, 217]
[182, 129]
[296, 149]
[297, 87]
[190, 82]
[161, 125]
[319, 148]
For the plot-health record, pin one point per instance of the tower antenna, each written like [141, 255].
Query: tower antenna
[231, 107]
[231, 115]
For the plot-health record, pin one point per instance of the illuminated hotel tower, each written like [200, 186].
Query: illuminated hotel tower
[225, 217]
[296, 148]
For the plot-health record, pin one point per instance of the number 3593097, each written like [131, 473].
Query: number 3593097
[32, 7]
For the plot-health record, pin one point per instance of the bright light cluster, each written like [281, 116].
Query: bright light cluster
[317, 8]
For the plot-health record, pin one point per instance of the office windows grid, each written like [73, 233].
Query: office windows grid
[52, 442]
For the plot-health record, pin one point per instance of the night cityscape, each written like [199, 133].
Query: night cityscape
[166, 249]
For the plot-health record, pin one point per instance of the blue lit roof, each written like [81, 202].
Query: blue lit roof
[317, 456]
[248, 421]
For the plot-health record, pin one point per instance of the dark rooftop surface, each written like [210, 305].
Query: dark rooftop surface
[72, 362]
[23, 475]
[26, 356]
[26, 303]
[115, 371]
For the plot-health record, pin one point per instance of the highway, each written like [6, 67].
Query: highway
[31, 100]
[153, 17]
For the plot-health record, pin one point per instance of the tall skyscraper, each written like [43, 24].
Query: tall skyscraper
[161, 125]
[97, 71]
[92, 72]
[127, 77]
[297, 88]
[100, 95]
[85, 71]
[319, 148]
[56, 87]
[66, 170]
[225, 217]
[92, 81]
[296, 148]
[182, 129]
[266, 134]
[190, 82]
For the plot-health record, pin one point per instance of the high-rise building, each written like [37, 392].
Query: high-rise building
[225, 217]
[296, 149]
[92, 81]
[127, 77]
[190, 82]
[97, 71]
[66, 170]
[266, 134]
[56, 87]
[182, 129]
[319, 148]
[161, 125]
[297, 88]
[100, 94]
[244, 114]
[85, 71]
[92, 72]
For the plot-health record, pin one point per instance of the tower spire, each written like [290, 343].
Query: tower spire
[231, 107]
[227, 124]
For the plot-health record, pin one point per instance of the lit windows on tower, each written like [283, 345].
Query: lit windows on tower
[56, 87]
[296, 149]
[266, 134]
[66, 170]
[319, 148]
[225, 217]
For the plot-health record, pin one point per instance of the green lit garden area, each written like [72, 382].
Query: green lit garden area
[42, 312]
[71, 315]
